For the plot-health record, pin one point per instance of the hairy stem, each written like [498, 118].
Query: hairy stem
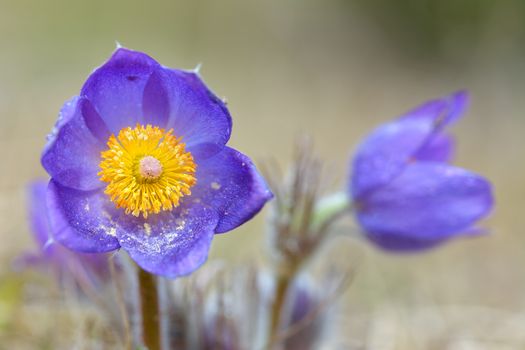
[285, 278]
[150, 310]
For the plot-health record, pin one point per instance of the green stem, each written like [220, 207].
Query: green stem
[150, 310]
[330, 208]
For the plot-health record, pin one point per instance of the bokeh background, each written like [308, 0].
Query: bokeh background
[332, 69]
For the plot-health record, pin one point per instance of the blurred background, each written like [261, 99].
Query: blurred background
[332, 69]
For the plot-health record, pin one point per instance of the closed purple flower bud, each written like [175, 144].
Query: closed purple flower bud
[407, 197]
[139, 161]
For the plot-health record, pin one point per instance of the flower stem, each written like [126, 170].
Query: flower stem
[284, 280]
[150, 310]
[330, 208]
[278, 303]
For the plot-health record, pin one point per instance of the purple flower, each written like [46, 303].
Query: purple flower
[139, 161]
[84, 269]
[407, 197]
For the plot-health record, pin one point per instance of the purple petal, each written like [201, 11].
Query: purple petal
[428, 202]
[414, 136]
[197, 114]
[170, 244]
[400, 243]
[439, 148]
[385, 153]
[38, 214]
[94, 122]
[132, 88]
[447, 109]
[72, 155]
[61, 258]
[155, 103]
[116, 90]
[230, 183]
[82, 221]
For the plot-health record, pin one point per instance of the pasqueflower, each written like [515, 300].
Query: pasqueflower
[406, 195]
[139, 161]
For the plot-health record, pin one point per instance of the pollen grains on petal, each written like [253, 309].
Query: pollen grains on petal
[147, 170]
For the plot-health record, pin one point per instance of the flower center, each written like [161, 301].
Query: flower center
[150, 168]
[147, 170]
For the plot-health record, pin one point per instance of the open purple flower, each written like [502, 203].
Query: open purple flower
[407, 197]
[84, 269]
[139, 161]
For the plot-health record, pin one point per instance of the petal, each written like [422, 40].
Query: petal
[447, 109]
[414, 136]
[61, 258]
[72, 155]
[90, 267]
[230, 183]
[155, 101]
[38, 213]
[428, 202]
[385, 153]
[116, 90]
[439, 148]
[170, 244]
[401, 243]
[197, 114]
[81, 220]
[94, 122]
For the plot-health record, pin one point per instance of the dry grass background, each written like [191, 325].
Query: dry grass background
[325, 68]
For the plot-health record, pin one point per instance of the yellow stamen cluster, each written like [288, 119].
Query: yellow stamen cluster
[147, 170]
